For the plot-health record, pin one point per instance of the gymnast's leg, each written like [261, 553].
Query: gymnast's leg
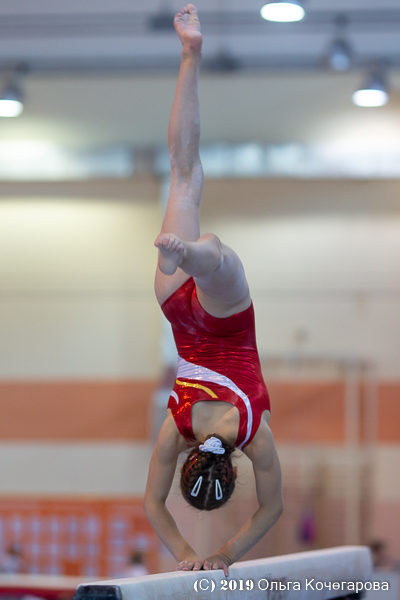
[218, 273]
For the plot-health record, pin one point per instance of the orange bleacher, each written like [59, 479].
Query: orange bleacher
[88, 537]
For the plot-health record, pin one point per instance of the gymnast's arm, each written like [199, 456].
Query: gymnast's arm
[267, 472]
[161, 473]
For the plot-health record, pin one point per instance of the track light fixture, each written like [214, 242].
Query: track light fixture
[373, 92]
[340, 55]
[340, 51]
[283, 11]
[223, 61]
[162, 21]
[11, 104]
[11, 97]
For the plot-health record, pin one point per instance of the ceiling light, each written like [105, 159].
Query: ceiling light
[373, 93]
[11, 102]
[340, 55]
[340, 52]
[162, 21]
[223, 61]
[283, 11]
[11, 98]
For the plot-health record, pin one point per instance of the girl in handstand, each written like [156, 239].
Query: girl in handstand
[219, 401]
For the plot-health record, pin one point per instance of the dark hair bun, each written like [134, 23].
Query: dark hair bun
[216, 472]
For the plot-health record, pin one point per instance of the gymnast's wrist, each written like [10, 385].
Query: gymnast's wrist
[184, 553]
[227, 559]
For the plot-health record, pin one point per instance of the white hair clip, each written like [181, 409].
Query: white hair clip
[218, 490]
[213, 445]
[196, 489]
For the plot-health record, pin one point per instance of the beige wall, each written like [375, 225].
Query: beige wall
[76, 291]
[77, 263]
[322, 257]
[68, 469]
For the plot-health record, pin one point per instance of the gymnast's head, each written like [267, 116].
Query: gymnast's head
[207, 475]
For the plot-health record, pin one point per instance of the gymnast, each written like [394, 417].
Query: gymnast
[219, 401]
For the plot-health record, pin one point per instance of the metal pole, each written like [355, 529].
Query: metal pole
[352, 436]
[371, 407]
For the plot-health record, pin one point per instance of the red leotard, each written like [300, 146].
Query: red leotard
[217, 360]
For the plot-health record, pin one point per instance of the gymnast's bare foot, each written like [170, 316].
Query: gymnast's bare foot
[172, 251]
[187, 26]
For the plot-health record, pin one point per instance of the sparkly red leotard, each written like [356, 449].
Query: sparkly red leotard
[217, 360]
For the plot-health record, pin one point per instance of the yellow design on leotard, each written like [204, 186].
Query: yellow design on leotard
[197, 385]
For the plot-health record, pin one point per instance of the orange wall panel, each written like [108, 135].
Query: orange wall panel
[88, 410]
[301, 412]
[389, 412]
[307, 412]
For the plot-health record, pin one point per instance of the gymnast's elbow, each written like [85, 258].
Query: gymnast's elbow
[278, 503]
[278, 509]
[272, 511]
[152, 507]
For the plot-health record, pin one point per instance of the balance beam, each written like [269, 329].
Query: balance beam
[266, 578]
